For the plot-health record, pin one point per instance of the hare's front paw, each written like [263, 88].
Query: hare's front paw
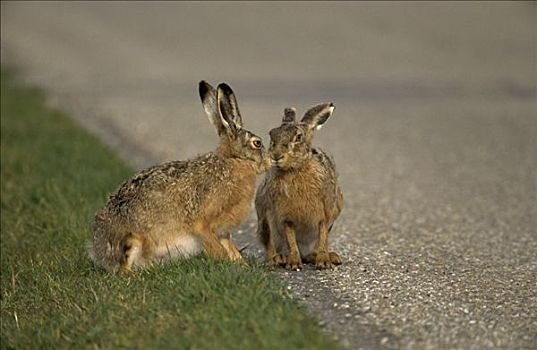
[232, 251]
[235, 256]
[322, 261]
[335, 258]
[293, 262]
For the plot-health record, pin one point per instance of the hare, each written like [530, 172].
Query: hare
[299, 199]
[179, 208]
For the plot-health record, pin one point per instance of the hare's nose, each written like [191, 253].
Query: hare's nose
[277, 157]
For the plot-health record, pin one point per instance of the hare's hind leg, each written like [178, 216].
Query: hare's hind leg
[334, 257]
[211, 244]
[265, 235]
[131, 250]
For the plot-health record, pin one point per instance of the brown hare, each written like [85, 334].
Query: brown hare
[179, 208]
[299, 199]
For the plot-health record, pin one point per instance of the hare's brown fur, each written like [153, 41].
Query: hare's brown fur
[300, 198]
[182, 207]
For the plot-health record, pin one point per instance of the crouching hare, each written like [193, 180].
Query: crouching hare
[300, 198]
[179, 208]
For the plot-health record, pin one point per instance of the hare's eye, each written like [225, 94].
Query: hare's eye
[298, 138]
[257, 143]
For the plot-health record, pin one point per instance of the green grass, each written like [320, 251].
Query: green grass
[54, 177]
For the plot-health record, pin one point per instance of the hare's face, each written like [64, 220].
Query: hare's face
[289, 145]
[245, 145]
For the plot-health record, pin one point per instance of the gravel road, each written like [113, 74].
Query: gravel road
[434, 135]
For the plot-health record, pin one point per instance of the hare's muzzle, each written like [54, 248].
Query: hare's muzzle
[276, 159]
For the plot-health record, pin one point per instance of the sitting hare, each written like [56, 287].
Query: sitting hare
[179, 208]
[300, 198]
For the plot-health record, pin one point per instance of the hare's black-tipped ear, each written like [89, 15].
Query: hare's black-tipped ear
[228, 107]
[289, 115]
[316, 116]
[210, 105]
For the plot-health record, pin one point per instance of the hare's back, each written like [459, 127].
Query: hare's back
[333, 193]
[326, 163]
[155, 188]
[153, 179]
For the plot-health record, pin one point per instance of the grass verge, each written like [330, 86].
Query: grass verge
[54, 177]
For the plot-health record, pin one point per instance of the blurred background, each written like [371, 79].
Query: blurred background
[434, 131]
[136, 65]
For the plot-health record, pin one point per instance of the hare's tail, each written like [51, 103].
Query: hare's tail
[90, 251]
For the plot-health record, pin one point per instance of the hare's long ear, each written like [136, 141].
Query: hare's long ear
[210, 105]
[228, 107]
[289, 115]
[316, 116]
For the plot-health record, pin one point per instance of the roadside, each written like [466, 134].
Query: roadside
[54, 177]
[434, 137]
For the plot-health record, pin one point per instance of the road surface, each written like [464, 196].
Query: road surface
[434, 136]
